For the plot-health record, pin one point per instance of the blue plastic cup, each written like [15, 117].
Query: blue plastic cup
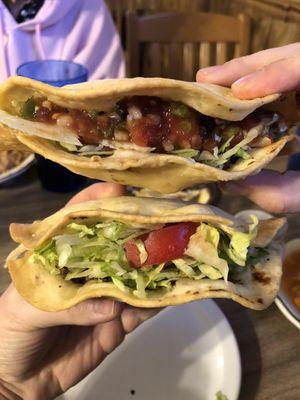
[54, 177]
[54, 72]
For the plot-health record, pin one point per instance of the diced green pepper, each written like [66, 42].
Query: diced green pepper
[181, 110]
[28, 109]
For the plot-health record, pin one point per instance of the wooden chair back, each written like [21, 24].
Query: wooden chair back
[176, 45]
[116, 8]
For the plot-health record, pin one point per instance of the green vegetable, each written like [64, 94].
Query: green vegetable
[243, 154]
[240, 242]
[225, 145]
[96, 251]
[92, 113]
[221, 396]
[187, 153]
[210, 233]
[183, 266]
[210, 272]
[28, 109]
[69, 147]
[181, 110]
[97, 153]
[231, 131]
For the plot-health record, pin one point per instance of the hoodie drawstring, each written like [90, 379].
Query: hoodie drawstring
[39, 43]
[3, 43]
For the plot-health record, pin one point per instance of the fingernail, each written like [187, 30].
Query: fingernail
[210, 70]
[105, 307]
[205, 72]
[242, 81]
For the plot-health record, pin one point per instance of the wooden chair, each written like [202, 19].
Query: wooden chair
[176, 45]
[116, 8]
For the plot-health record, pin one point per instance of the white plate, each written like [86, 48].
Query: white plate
[185, 353]
[18, 170]
[283, 302]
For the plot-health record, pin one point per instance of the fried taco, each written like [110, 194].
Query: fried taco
[161, 134]
[147, 253]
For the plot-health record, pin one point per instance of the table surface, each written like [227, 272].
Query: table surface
[269, 344]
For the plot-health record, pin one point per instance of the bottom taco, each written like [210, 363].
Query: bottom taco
[147, 253]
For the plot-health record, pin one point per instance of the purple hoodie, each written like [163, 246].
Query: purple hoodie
[77, 30]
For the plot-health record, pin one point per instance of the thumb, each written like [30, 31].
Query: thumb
[24, 316]
[276, 193]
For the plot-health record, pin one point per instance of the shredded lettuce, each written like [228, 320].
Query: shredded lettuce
[210, 272]
[96, 252]
[88, 150]
[243, 154]
[68, 146]
[240, 242]
[187, 153]
[183, 266]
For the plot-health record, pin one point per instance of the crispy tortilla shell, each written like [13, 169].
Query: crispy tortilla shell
[254, 288]
[159, 172]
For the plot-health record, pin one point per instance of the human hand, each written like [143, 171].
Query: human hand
[269, 71]
[275, 192]
[43, 354]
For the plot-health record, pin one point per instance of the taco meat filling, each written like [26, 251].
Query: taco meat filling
[156, 125]
[142, 260]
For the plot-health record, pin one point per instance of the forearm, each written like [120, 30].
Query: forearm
[7, 393]
[28, 390]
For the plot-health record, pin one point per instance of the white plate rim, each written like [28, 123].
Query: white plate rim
[19, 169]
[280, 303]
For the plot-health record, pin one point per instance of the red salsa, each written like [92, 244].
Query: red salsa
[145, 121]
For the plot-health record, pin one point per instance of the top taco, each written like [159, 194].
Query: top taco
[161, 134]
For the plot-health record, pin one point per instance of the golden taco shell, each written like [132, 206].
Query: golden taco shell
[253, 287]
[166, 173]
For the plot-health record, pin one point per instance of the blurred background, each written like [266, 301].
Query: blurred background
[168, 38]
[267, 23]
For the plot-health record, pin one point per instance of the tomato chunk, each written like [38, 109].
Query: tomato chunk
[162, 245]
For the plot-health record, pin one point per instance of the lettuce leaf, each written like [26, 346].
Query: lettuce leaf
[239, 243]
[187, 153]
[204, 247]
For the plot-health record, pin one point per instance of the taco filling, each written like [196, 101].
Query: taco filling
[140, 261]
[150, 124]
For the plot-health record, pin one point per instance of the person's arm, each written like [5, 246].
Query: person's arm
[99, 47]
[268, 71]
[43, 354]
[6, 393]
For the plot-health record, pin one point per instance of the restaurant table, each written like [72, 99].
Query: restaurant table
[268, 343]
